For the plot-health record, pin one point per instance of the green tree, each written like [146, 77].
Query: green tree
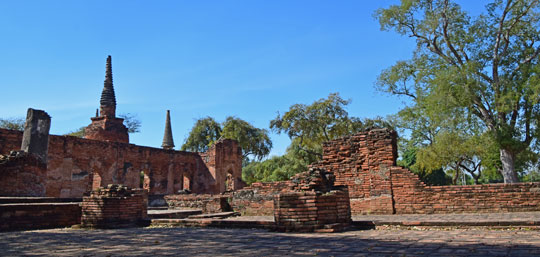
[324, 120]
[254, 142]
[434, 176]
[278, 168]
[77, 133]
[203, 134]
[13, 123]
[484, 67]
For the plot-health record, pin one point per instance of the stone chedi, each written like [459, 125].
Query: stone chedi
[168, 142]
[106, 126]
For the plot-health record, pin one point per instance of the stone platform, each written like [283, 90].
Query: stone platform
[530, 220]
[256, 242]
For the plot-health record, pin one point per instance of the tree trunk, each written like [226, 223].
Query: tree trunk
[507, 159]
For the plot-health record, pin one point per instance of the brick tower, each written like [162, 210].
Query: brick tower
[168, 142]
[106, 126]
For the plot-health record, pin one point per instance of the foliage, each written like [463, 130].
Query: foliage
[278, 168]
[308, 126]
[254, 142]
[77, 133]
[485, 68]
[324, 120]
[131, 121]
[13, 123]
[203, 134]
[435, 176]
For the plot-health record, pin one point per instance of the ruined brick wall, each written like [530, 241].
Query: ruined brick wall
[22, 174]
[77, 165]
[114, 206]
[361, 163]
[312, 203]
[412, 196]
[224, 162]
[258, 198]
[311, 211]
[207, 203]
[24, 216]
[365, 162]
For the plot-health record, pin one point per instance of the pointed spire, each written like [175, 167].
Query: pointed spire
[108, 99]
[97, 112]
[168, 142]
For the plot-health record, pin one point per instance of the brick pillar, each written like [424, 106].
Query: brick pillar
[36, 133]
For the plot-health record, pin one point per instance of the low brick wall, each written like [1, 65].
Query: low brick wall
[114, 207]
[25, 216]
[312, 204]
[207, 203]
[366, 164]
[312, 211]
[412, 196]
[257, 199]
[22, 174]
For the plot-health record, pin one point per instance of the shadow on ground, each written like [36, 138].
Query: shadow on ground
[252, 242]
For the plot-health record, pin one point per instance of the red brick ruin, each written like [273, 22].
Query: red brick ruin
[357, 175]
[312, 204]
[366, 164]
[78, 165]
[114, 206]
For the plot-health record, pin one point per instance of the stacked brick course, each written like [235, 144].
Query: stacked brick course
[361, 162]
[258, 198]
[77, 165]
[22, 216]
[22, 174]
[114, 206]
[312, 204]
[207, 203]
[365, 162]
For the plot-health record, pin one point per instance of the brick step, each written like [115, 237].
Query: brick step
[219, 215]
[12, 200]
[158, 208]
[172, 213]
[216, 223]
[507, 223]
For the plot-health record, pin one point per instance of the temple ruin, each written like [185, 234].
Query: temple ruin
[357, 175]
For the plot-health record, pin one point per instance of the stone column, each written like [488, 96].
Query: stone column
[36, 133]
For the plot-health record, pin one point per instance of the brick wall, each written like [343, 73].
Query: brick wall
[24, 216]
[114, 206]
[365, 162]
[361, 163]
[22, 174]
[257, 199]
[312, 204]
[77, 165]
[412, 196]
[207, 203]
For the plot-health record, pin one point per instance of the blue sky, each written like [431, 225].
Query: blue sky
[248, 59]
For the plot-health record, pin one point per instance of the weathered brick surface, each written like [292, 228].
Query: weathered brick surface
[361, 162]
[23, 216]
[77, 165]
[312, 203]
[207, 203]
[114, 206]
[22, 174]
[258, 198]
[365, 162]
